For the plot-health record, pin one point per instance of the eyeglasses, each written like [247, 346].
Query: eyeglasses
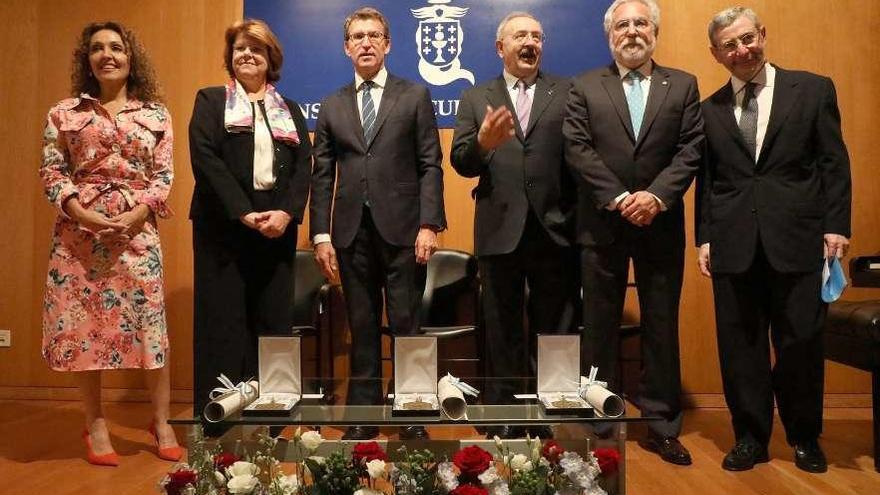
[747, 40]
[521, 36]
[641, 24]
[373, 36]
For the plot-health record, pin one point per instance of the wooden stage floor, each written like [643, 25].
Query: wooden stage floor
[41, 453]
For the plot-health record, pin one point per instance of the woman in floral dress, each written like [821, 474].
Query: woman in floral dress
[107, 168]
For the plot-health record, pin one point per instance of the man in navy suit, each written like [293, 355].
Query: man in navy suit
[774, 200]
[376, 140]
[634, 136]
[509, 134]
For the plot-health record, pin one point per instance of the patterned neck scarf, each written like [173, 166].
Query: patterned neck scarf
[239, 117]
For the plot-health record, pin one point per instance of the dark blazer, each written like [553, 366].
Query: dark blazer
[798, 190]
[608, 160]
[223, 165]
[526, 171]
[398, 171]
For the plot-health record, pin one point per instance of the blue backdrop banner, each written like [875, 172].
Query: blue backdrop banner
[447, 45]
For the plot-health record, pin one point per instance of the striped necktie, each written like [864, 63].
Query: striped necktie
[748, 119]
[368, 110]
[635, 99]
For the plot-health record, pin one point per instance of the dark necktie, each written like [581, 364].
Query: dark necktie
[748, 119]
[368, 110]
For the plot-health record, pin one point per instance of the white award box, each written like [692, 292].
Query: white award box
[280, 377]
[559, 375]
[415, 377]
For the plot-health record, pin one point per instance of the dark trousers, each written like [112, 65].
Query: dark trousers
[547, 273]
[788, 304]
[367, 267]
[659, 268]
[243, 288]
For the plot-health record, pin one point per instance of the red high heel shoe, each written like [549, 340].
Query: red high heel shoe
[172, 454]
[111, 459]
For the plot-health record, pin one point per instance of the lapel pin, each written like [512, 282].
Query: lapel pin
[664, 83]
[549, 92]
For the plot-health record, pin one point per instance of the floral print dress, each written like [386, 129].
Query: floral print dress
[104, 306]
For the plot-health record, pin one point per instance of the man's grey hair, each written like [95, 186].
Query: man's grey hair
[727, 17]
[509, 17]
[652, 8]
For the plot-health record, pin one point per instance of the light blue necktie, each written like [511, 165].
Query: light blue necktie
[368, 110]
[635, 99]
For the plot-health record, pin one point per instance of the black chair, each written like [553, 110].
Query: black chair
[310, 312]
[451, 308]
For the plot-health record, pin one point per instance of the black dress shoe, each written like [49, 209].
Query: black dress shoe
[540, 431]
[361, 433]
[414, 433]
[669, 449]
[809, 457]
[506, 432]
[744, 455]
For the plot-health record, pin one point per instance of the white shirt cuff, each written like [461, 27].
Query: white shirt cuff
[659, 201]
[320, 238]
[616, 201]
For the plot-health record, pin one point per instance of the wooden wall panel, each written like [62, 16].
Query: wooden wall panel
[184, 40]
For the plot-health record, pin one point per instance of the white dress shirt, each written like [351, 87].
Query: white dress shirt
[764, 81]
[510, 82]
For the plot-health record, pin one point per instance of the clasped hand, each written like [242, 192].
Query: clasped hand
[271, 223]
[639, 208]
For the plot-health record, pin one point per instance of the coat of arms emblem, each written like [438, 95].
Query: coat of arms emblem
[439, 40]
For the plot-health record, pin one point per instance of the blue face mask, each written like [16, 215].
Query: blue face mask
[833, 280]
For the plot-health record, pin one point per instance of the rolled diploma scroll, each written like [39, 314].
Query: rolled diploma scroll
[451, 399]
[231, 402]
[603, 400]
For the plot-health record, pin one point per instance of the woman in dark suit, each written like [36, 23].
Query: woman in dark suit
[250, 154]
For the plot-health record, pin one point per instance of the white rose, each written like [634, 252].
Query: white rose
[518, 462]
[311, 440]
[376, 468]
[241, 467]
[242, 484]
[489, 476]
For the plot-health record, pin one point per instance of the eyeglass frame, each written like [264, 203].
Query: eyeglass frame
[731, 45]
[520, 36]
[622, 25]
[373, 36]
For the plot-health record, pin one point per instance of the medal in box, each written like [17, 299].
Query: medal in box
[280, 377]
[559, 365]
[415, 377]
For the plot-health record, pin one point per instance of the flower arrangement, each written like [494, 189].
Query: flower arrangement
[547, 469]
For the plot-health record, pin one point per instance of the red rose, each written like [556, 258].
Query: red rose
[471, 462]
[367, 451]
[177, 481]
[552, 451]
[224, 460]
[608, 460]
[468, 489]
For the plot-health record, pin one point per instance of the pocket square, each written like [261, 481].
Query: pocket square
[833, 280]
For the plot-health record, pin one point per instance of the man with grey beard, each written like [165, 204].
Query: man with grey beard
[633, 135]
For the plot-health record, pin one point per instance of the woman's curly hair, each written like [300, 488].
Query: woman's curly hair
[141, 84]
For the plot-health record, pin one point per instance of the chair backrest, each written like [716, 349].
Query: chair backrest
[450, 289]
[307, 283]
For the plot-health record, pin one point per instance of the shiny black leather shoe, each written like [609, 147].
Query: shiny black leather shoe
[414, 433]
[505, 432]
[809, 457]
[669, 449]
[361, 433]
[744, 455]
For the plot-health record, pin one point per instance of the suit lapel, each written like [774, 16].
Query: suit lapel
[656, 97]
[543, 95]
[389, 98]
[614, 88]
[723, 103]
[785, 94]
[351, 106]
[498, 96]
